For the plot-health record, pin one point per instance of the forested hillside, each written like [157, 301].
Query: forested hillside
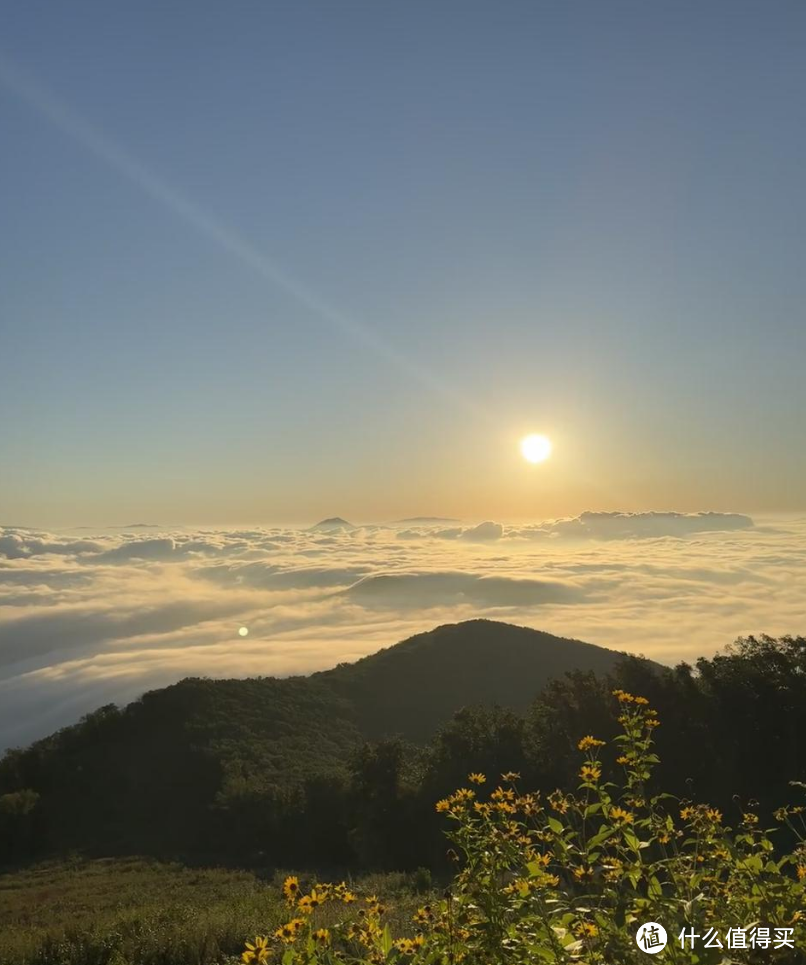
[218, 766]
[413, 687]
[280, 772]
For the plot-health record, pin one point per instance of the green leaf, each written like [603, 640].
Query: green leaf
[631, 840]
[604, 833]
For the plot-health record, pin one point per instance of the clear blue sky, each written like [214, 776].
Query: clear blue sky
[585, 219]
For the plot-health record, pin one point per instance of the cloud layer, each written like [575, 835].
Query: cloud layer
[102, 617]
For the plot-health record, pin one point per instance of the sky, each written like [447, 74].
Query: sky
[264, 263]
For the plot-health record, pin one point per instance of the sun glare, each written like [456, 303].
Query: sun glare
[536, 448]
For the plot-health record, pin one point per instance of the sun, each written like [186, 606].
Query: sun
[535, 448]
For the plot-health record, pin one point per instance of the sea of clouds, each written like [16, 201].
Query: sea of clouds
[88, 618]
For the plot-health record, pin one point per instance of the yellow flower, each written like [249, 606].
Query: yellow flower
[374, 906]
[307, 903]
[750, 818]
[583, 873]
[442, 806]
[586, 929]
[476, 778]
[511, 776]
[642, 701]
[423, 915]
[714, 815]
[687, 813]
[256, 951]
[408, 946]
[287, 933]
[588, 742]
[623, 697]
[589, 773]
[502, 794]
[559, 802]
[528, 804]
[322, 936]
[620, 816]
[622, 760]
[291, 888]
[801, 872]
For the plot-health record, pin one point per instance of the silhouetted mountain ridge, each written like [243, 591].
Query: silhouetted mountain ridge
[414, 686]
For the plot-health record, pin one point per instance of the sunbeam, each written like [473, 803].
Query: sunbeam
[70, 122]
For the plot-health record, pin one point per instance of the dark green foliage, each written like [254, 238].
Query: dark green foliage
[176, 771]
[17, 823]
[245, 768]
[275, 773]
[412, 688]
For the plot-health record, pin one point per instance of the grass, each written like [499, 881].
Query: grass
[140, 912]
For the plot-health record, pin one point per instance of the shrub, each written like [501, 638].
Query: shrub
[572, 876]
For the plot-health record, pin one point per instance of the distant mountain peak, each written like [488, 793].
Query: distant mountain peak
[330, 524]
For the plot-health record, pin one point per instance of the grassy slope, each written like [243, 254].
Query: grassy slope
[144, 912]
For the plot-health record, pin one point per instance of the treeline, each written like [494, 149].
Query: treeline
[732, 731]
